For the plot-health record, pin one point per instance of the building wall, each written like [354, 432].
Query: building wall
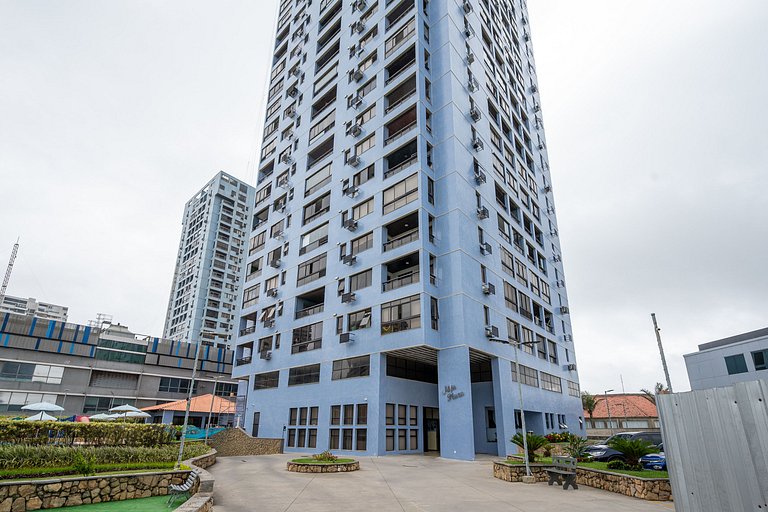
[452, 268]
[708, 369]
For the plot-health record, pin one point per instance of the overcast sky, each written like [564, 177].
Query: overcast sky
[112, 114]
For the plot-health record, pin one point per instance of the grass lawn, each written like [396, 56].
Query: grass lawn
[153, 504]
[313, 461]
[600, 466]
[101, 469]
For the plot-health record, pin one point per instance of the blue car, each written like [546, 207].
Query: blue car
[655, 461]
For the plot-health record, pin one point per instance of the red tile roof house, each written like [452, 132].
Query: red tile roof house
[630, 412]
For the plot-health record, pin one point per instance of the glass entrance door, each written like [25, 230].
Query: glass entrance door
[431, 429]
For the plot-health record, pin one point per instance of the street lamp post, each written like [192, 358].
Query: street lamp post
[608, 405]
[516, 346]
[189, 397]
[210, 411]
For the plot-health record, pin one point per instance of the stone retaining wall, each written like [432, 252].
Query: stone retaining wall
[342, 467]
[20, 496]
[235, 442]
[651, 489]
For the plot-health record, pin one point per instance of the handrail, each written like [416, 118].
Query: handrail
[402, 239]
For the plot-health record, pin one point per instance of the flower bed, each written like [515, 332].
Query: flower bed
[651, 489]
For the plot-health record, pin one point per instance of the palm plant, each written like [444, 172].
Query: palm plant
[588, 403]
[632, 449]
[577, 448]
[658, 389]
[534, 443]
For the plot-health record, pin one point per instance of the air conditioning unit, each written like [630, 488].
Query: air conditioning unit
[355, 130]
[280, 208]
[485, 248]
[293, 91]
[491, 331]
[542, 145]
[482, 213]
[557, 258]
[524, 20]
[296, 71]
[468, 32]
[479, 177]
[284, 183]
[275, 263]
[349, 259]
[359, 5]
[550, 210]
[266, 354]
[291, 112]
[269, 323]
[470, 56]
[353, 160]
[356, 100]
[569, 367]
[346, 337]
[477, 145]
[489, 289]
[467, 7]
[564, 310]
[286, 158]
[567, 337]
[547, 188]
[534, 88]
[350, 224]
[536, 107]
[475, 114]
[553, 232]
[356, 75]
[279, 235]
[358, 27]
[350, 190]
[560, 283]
[272, 292]
[348, 298]
[473, 85]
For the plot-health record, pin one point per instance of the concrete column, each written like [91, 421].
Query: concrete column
[504, 397]
[454, 386]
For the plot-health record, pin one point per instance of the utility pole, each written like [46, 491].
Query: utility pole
[661, 351]
[9, 270]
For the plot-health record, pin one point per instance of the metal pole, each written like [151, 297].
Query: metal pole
[522, 410]
[608, 405]
[210, 411]
[661, 351]
[189, 402]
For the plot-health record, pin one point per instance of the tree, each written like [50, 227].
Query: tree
[659, 389]
[632, 449]
[588, 402]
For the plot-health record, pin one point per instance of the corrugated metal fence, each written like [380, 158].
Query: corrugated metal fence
[716, 443]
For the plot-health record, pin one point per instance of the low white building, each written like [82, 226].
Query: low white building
[29, 306]
[724, 362]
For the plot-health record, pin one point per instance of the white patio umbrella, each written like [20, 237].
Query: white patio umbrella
[41, 416]
[42, 406]
[102, 417]
[140, 414]
[125, 408]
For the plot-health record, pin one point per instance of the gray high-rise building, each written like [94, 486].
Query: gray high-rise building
[404, 236]
[206, 282]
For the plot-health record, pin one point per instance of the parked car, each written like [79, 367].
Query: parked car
[656, 461]
[604, 453]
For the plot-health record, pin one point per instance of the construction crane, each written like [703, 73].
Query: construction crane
[9, 270]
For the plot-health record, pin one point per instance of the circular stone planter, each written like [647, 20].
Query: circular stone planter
[315, 467]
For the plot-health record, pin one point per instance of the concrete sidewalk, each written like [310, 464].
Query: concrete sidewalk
[399, 483]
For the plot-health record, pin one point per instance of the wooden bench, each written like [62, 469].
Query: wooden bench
[564, 471]
[175, 491]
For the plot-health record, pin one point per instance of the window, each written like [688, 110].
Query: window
[318, 180]
[361, 280]
[390, 416]
[364, 145]
[335, 415]
[309, 374]
[401, 315]
[352, 367]
[174, 385]
[760, 359]
[363, 176]
[510, 296]
[362, 414]
[362, 209]
[266, 380]
[434, 313]
[359, 319]
[29, 372]
[573, 389]
[736, 364]
[307, 337]
[530, 377]
[551, 383]
[317, 208]
[401, 193]
[362, 243]
[257, 243]
[314, 239]
[410, 369]
[312, 270]
[552, 351]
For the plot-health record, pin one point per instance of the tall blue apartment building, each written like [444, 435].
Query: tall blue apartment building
[403, 220]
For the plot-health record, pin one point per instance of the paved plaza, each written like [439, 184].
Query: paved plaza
[410, 483]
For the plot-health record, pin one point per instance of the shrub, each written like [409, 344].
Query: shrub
[632, 449]
[84, 463]
[534, 443]
[325, 456]
[96, 434]
[577, 448]
[559, 437]
[28, 456]
[618, 464]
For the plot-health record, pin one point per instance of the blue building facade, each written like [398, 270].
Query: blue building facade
[404, 220]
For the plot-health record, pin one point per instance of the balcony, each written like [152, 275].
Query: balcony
[398, 13]
[398, 127]
[401, 158]
[310, 303]
[401, 232]
[401, 272]
[319, 152]
[401, 94]
[403, 324]
[244, 354]
[400, 65]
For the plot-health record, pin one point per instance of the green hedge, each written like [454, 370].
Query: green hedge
[48, 472]
[30, 456]
[95, 434]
